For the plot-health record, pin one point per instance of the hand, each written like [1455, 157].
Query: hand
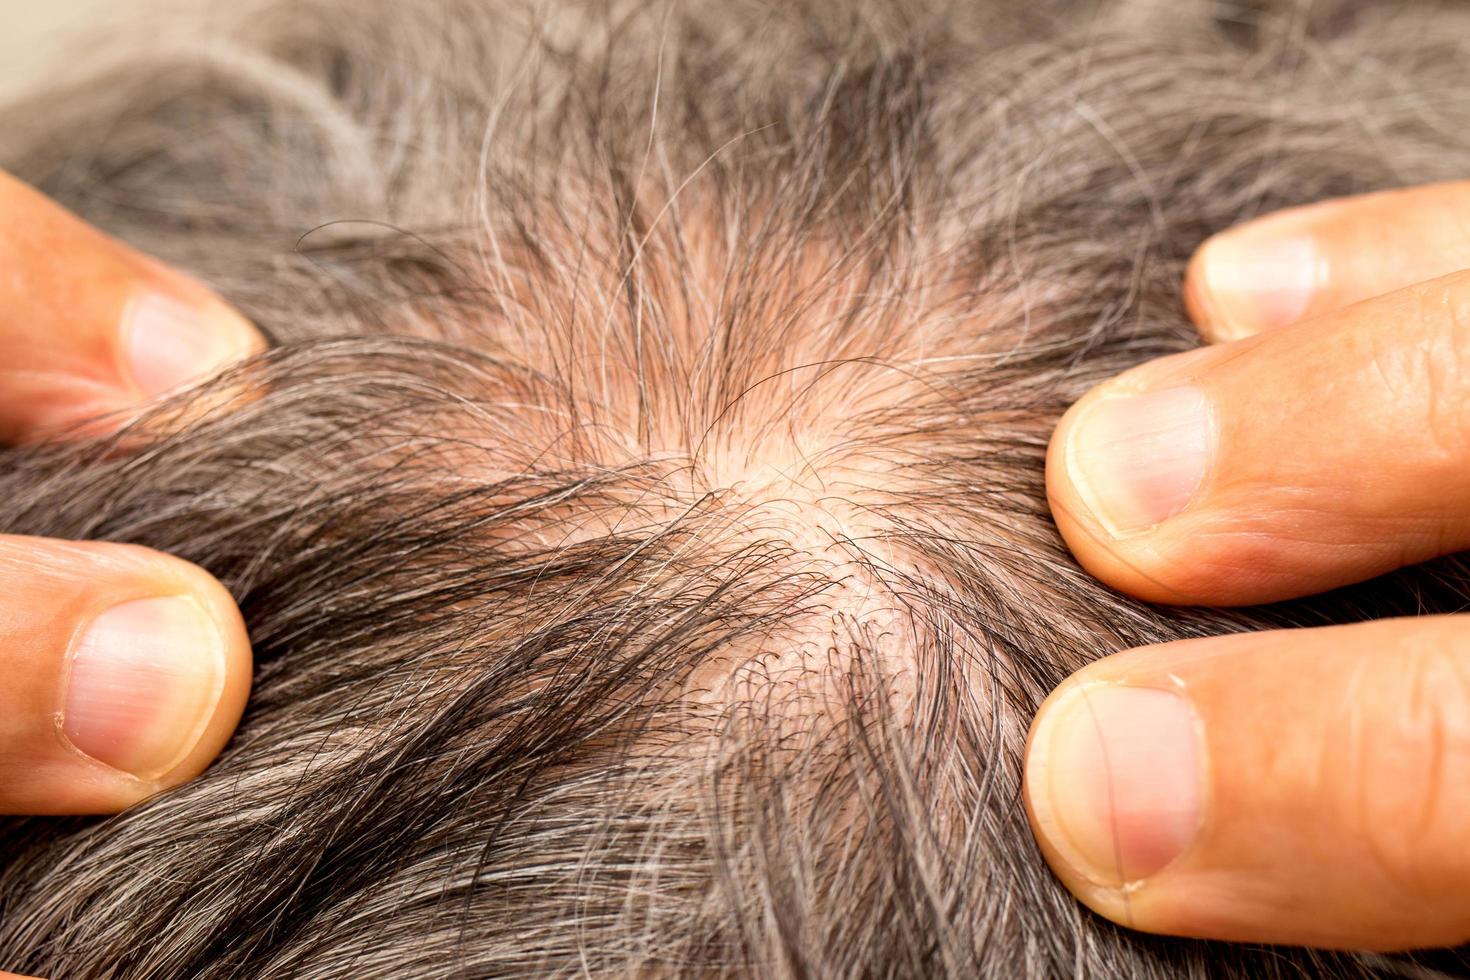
[1306, 787]
[124, 670]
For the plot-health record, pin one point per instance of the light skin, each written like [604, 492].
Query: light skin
[125, 669]
[1301, 787]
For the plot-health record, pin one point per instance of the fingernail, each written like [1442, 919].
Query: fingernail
[170, 343]
[144, 681]
[1119, 771]
[1138, 459]
[1254, 278]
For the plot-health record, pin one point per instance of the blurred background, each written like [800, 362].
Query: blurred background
[31, 33]
[38, 33]
[34, 31]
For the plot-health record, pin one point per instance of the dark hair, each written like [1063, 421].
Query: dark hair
[639, 515]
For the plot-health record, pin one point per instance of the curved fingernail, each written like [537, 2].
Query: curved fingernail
[1139, 459]
[170, 343]
[1116, 779]
[144, 680]
[1254, 278]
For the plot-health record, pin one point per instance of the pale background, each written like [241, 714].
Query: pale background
[33, 31]
[38, 33]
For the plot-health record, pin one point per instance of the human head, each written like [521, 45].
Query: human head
[639, 517]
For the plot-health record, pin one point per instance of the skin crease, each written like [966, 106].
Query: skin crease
[1333, 761]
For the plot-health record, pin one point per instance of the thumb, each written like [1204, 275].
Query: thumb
[1306, 787]
[125, 671]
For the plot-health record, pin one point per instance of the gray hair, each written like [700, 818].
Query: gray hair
[639, 514]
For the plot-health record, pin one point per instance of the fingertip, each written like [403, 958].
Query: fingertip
[157, 684]
[1259, 276]
[91, 338]
[237, 662]
[1200, 302]
[170, 340]
[128, 673]
[1114, 787]
[1127, 458]
[1292, 786]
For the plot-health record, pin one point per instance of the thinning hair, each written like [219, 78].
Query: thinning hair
[639, 513]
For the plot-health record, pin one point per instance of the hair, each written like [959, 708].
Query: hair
[639, 513]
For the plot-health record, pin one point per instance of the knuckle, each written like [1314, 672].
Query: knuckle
[1435, 371]
[1407, 749]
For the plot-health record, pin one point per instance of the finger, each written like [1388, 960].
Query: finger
[1280, 465]
[1306, 261]
[88, 326]
[125, 672]
[1305, 787]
